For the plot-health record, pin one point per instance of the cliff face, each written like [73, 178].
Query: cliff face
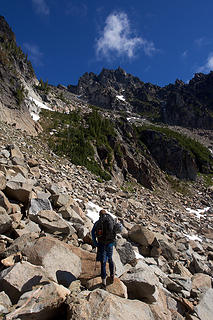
[189, 105]
[16, 78]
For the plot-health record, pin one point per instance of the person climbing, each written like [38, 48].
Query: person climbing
[104, 236]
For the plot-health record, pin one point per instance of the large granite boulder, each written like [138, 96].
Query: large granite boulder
[5, 221]
[44, 302]
[204, 308]
[16, 280]
[141, 235]
[57, 258]
[53, 222]
[141, 284]
[100, 304]
[19, 191]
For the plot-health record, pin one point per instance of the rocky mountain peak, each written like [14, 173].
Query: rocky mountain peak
[5, 31]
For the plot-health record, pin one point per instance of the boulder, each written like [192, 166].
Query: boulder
[100, 304]
[18, 161]
[125, 251]
[161, 310]
[5, 303]
[89, 267]
[14, 169]
[21, 244]
[60, 200]
[35, 171]
[141, 235]
[18, 191]
[119, 267]
[43, 302]
[37, 205]
[15, 152]
[141, 284]
[201, 282]
[32, 162]
[82, 231]
[168, 250]
[74, 205]
[171, 285]
[52, 222]
[179, 268]
[3, 181]
[11, 260]
[68, 213]
[5, 221]
[204, 308]
[58, 259]
[117, 287]
[184, 282]
[4, 202]
[197, 265]
[28, 227]
[16, 280]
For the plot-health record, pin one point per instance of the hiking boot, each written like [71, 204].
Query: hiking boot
[112, 278]
[104, 283]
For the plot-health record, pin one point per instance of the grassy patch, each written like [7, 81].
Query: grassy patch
[75, 136]
[208, 180]
[177, 185]
[129, 186]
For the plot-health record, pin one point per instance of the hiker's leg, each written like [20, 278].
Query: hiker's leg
[109, 255]
[103, 269]
[103, 261]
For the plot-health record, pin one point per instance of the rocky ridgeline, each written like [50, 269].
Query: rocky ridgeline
[180, 104]
[164, 256]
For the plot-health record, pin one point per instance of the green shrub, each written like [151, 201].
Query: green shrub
[43, 86]
[76, 136]
[178, 185]
[20, 94]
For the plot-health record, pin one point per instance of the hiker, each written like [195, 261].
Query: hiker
[103, 236]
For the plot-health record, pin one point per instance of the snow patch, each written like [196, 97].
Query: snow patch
[35, 116]
[39, 103]
[193, 237]
[121, 97]
[199, 212]
[138, 255]
[92, 211]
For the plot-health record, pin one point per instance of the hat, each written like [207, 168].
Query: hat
[102, 211]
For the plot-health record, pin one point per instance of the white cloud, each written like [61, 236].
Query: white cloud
[117, 38]
[34, 53]
[41, 7]
[208, 66]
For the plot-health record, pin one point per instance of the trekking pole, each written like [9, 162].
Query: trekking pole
[94, 272]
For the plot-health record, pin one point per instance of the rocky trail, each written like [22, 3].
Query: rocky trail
[163, 257]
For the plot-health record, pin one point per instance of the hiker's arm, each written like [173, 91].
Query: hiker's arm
[94, 236]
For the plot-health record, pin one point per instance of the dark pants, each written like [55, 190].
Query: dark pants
[104, 254]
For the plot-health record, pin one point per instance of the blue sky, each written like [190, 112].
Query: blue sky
[157, 41]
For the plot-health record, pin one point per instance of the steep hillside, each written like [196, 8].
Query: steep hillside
[119, 143]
